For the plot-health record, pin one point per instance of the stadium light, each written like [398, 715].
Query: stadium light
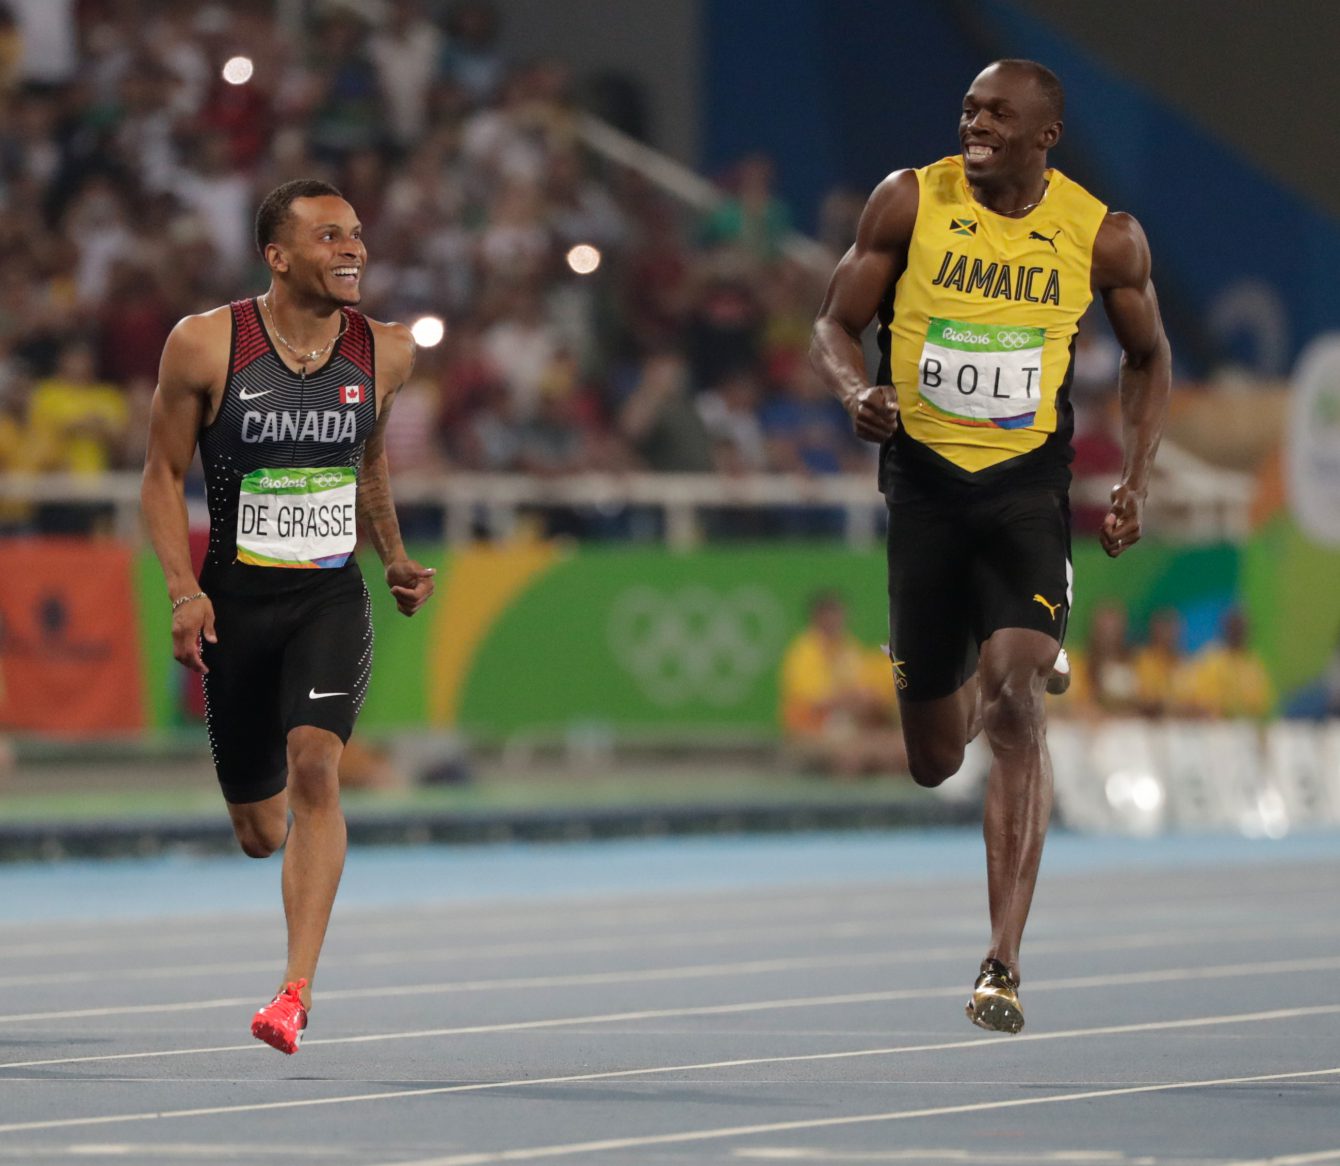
[238, 70]
[584, 259]
[428, 331]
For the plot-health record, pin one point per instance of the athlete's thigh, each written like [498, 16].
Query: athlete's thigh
[242, 708]
[932, 609]
[1022, 572]
[328, 658]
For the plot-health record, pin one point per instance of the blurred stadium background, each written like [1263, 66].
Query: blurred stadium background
[611, 225]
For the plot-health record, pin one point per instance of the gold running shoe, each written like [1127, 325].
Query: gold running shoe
[995, 999]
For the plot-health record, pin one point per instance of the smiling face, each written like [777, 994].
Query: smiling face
[1007, 126]
[320, 252]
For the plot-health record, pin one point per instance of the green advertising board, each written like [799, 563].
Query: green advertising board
[537, 637]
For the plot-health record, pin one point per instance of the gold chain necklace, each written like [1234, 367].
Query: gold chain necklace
[303, 358]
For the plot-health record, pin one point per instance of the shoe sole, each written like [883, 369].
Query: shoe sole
[995, 1014]
[263, 1030]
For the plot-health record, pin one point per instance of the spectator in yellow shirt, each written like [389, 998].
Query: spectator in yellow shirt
[1158, 665]
[838, 703]
[81, 420]
[1228, 679]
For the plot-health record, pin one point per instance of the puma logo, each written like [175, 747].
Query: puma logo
[1038, 235]
[1052, 608]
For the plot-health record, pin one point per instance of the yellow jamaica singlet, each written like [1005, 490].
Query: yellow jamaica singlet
[977, 335]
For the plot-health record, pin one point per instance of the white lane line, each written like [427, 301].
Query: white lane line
[885, 901]
[606, 1144]
[565, 916]
[847, 930]
[144, 1152]
[707, 971]
[996, 1158]
[977, 1043]
[400, 957]
[781, 1004]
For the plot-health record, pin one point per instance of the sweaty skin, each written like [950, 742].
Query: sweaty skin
[304, 304]
[1006, 128]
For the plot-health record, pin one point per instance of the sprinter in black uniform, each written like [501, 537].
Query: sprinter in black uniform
[287, 396]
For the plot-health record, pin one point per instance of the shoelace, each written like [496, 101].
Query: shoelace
[291, 995]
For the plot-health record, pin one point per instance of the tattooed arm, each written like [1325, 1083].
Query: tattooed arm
[410, 583]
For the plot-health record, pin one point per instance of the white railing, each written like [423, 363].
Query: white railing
[1190, 502]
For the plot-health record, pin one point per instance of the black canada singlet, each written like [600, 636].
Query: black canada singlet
[292, 614]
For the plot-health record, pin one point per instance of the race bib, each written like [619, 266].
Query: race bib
[297, 517]
[982, 374]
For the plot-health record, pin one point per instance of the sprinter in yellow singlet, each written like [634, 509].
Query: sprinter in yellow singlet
[979, 268]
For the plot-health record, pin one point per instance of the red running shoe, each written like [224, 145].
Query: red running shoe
[280, 1023]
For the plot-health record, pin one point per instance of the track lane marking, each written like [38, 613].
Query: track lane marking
[977, 1042]
[532, 1153]
[846, 930]
[883, 903]
[701, 971]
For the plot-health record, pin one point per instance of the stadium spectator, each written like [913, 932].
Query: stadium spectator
[471, 58]
[78, 421]
[752, 218]
[1158, 665]
[838, 707]
[660, 420]
[1228, 679]
[407, 53]
[1103, 674]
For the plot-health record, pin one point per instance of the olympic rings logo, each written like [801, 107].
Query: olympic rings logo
[1014, 340]
[325, 481]
[696, 644]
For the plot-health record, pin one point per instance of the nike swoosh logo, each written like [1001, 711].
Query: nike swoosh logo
[244, 395]
[314, 695]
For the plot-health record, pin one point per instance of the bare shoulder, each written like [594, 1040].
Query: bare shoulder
[395, 348]
[196, 352]
[1120, 253]
[891, 212]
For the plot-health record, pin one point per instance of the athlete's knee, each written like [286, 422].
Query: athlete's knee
[313, 777]
[932, 763]
[1012, 713]
[260, 839]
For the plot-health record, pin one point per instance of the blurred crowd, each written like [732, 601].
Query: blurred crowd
[139, 135]
[839, 715]
[1113, 675]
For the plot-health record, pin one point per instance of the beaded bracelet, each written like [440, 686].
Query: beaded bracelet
[176, 603]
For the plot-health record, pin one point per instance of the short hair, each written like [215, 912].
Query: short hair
[1048, 83]
[825, 600]
[275, 208]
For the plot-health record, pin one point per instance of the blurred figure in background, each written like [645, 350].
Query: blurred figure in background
[1228, 679]
[752, 217]
[1104, 672]
[838, 706]
[660, 420]
[1158, 665]
[79, 421]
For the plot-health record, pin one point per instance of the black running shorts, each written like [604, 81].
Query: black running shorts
[300, 657]
[961, 569]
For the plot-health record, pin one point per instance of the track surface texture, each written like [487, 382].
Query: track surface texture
[796, 999]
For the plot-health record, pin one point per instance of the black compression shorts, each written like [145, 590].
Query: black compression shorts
[961, 569]
[283, 661]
